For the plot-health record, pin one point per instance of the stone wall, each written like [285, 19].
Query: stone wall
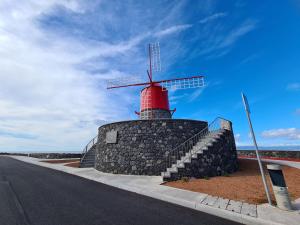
[141, 146]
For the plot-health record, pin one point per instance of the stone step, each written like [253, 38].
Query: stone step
[172, 169]
[166, 174]
[90, 154]
[88, 161]
[197, 149]
[187, 160]
[194, 156]
[197, 152]
[88, 164]
[180, 165]
[204, 144]
[89, 157]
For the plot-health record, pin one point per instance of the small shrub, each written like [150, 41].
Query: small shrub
[206, 177]
[185, 179]
[226, 174]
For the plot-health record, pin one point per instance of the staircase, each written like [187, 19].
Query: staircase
[88, 154]
[196, 157]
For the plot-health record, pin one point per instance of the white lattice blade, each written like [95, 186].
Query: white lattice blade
[123, 81]
[155, 57]
[185, 83]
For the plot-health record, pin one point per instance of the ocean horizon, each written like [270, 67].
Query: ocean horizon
[270, 148]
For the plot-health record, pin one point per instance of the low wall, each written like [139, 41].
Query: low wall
[55, 155]
[270, 153]
[141, 146]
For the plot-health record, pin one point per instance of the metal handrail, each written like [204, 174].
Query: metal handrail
[188, 145]
[91, 143]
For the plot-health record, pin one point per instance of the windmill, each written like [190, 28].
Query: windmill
[154, 103]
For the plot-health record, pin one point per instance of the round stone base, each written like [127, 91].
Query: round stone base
[141, 147]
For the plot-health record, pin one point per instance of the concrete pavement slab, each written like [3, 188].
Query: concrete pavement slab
[249, 210]
[209, 200]
[272, 213]
[296, 204]
[221, 203]
[234, 206]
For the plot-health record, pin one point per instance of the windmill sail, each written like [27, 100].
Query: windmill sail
[182, 83]
[155, 63]
[125, 82]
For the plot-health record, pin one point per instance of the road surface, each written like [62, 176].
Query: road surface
[35, 195]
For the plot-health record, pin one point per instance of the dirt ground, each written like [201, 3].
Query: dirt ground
[74, 164]
[243, 185]
[56, 161]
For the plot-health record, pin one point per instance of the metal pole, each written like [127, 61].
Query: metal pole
[256, 149]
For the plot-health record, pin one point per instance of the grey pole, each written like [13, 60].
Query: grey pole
[256, 148]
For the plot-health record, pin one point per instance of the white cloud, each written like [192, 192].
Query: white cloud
[198, 91]
[235, 34]
[218, 41]
[196, 94]
[212, 17]
[45, 100]
[289, 133]
[249, 58]
[293, 87]
[53, 93]
[174, 99]
[172, 30]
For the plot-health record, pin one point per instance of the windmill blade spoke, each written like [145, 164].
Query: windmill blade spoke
[182, 83]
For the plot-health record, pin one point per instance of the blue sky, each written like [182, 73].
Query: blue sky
[57, 55]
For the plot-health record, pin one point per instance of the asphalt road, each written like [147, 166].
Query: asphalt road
[30, 194]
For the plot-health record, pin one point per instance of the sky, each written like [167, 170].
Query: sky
[57, 55]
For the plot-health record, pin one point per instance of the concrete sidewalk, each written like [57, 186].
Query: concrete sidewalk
[150, 186]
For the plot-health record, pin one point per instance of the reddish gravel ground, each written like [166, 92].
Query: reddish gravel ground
[56, 161]
[243, 185]
[74, 164]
